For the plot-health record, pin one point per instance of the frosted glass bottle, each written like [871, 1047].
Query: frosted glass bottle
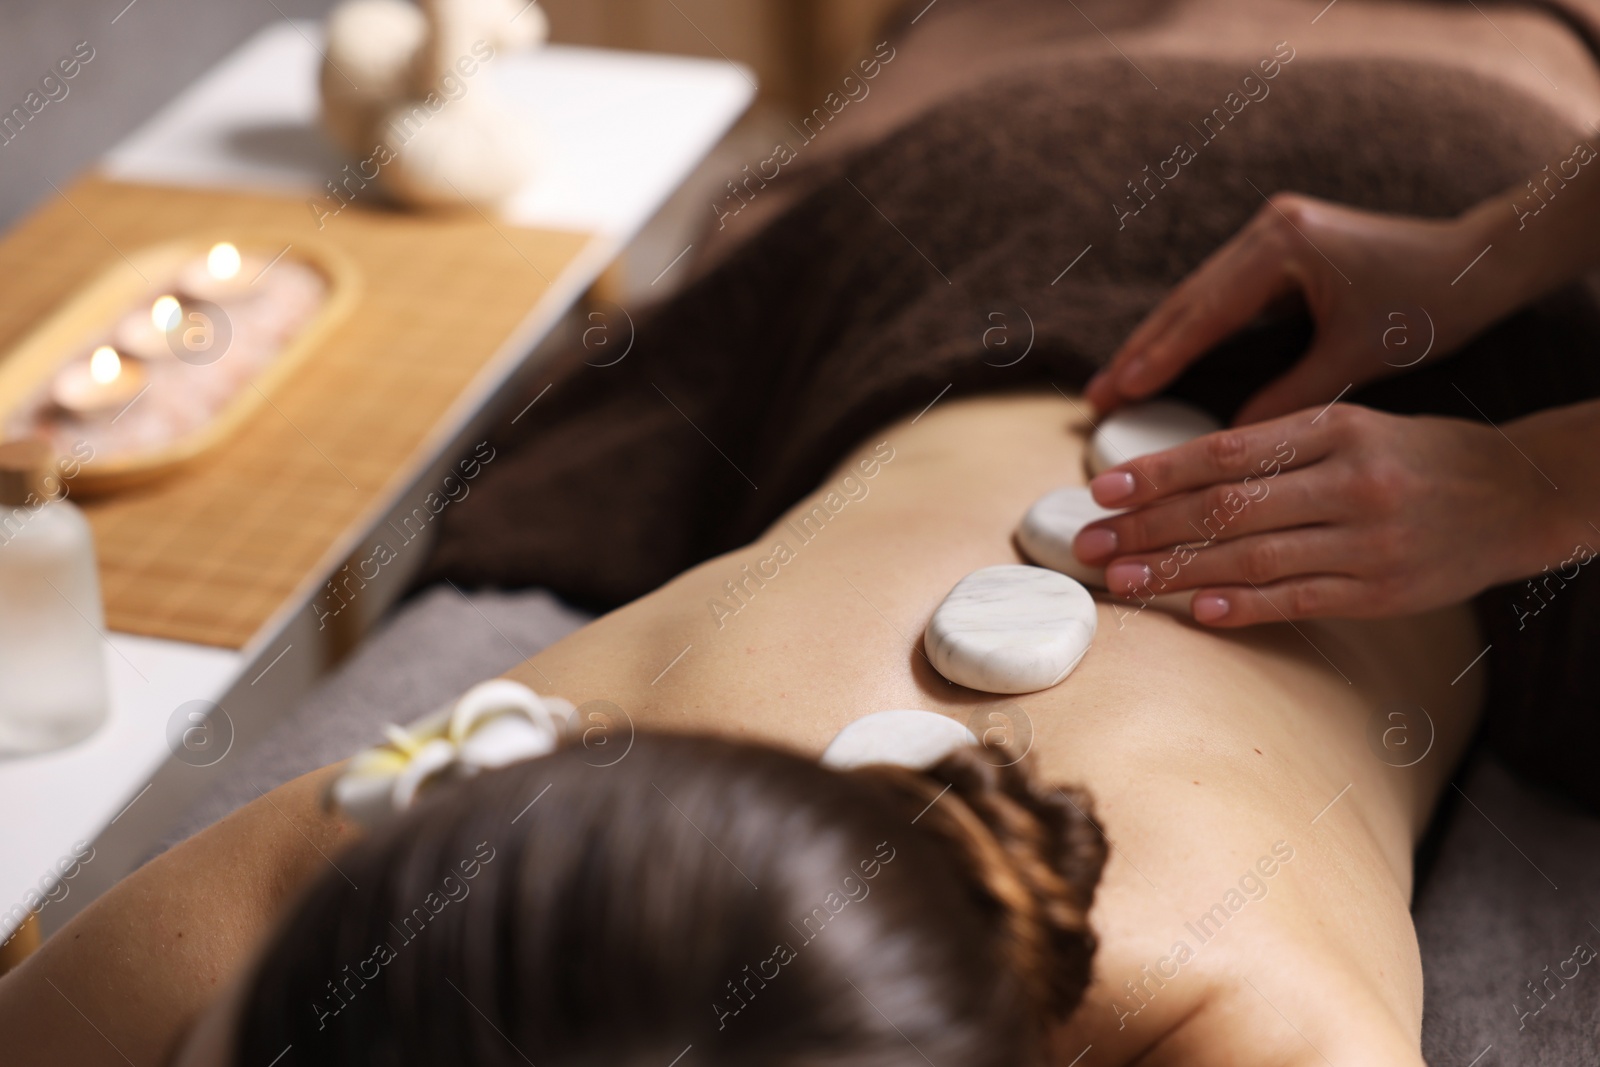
[53, 686]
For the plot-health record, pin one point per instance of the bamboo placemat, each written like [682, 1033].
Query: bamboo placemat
[209, 554]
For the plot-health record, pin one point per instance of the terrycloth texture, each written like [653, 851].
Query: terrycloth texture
[1582, 17]
[874, 294]
[428, 653]
[1515, 888]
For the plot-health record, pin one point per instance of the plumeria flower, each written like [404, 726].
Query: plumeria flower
[492, 725]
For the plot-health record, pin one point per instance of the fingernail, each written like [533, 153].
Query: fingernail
[1127, 579]
[1209, 608]
[1112, 488]
[1095, 544]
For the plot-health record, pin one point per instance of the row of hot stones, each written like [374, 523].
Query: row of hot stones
[1019, 629]
[1005, 629]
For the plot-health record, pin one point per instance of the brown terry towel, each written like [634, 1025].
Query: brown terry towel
[872, 296]
[1582, 17]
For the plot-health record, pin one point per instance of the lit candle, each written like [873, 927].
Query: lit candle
[164, 313]
[223, 261]
[222, 275]
[100, 383]
[148, 335]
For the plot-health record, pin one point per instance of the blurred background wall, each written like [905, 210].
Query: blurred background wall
[796, 46]
[147, 51]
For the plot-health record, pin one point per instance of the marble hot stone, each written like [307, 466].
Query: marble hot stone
[1140, 429]
[1011, 629]
[1053, 523]
[915, 739]
[1046, 534]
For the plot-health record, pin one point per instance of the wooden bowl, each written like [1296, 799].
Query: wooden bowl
[90, 317]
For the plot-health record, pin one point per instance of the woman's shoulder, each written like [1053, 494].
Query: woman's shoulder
[1291, 1006]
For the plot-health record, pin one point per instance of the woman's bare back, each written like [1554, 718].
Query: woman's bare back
[1254, 908]
[1262, 829]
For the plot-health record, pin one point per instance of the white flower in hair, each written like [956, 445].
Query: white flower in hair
[493, 724]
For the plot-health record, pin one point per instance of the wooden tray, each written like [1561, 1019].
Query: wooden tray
[94, 310]
[211, 553]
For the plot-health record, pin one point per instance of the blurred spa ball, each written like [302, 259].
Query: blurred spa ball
[1005, 729]
[202, 335]
[1400, 734]
[199, 733]
[1406, 336]
[604, 730]
[608, 334]
[1008, 336]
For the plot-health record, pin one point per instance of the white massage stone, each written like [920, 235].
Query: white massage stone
[1011, 629]
[1142, 429]
[1050, 526]
[915, 739]
[1053, 523]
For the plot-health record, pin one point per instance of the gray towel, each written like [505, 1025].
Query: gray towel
[431, 650]
[1515, 889]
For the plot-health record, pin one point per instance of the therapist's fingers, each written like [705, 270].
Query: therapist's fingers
[1224, 294]
[1260, 451]
[1320, 378]
[1258, 561]
[1220, 298]
[1311, 597]
[1219, 513]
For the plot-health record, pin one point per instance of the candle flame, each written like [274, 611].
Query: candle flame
[164, 313]
[105, 366]
[223, 261]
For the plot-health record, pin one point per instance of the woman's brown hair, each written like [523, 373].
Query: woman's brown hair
[701, 902]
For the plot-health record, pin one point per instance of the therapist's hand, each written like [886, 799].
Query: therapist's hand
[1350, 512]
[1382, 290]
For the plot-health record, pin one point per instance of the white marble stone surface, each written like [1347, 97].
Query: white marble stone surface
[1047, 531]
[915, 739]
[1011, 629]
[1046, 534]
[1141, 429]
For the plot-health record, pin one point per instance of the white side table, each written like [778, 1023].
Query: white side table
[620, 132]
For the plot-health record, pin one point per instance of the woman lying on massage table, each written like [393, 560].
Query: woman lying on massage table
[703, 901]
[664, 909]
